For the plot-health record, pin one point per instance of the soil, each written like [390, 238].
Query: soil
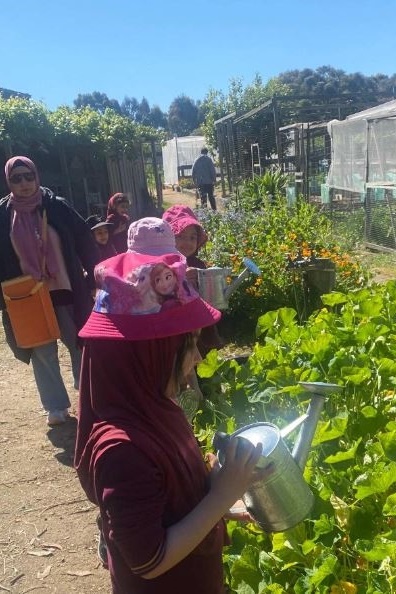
[47, 526]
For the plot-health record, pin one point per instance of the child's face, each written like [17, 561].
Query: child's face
[101, 235]
[122, 208]
[187, 241]
[192, 358]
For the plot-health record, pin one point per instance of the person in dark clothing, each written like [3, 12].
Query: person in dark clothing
[100, 232]
[117, 215]
[70, 255]
[136, 454]
[204, 176]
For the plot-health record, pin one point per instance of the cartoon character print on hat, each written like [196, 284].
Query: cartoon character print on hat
[147, 289]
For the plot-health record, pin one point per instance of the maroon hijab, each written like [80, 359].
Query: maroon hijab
[112, 205]
[27, 225]
[122, 400]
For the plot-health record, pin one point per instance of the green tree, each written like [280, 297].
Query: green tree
[182, 116]
[329, 82]
[142, 113]
[130, 107]
[239, 98]
[97, 101]
[158, 118]
[23, 121]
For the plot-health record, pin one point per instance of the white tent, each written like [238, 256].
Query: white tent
[178, 156]
[363, 149]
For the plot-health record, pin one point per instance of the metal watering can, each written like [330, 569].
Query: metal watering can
[213, 286]
[283, 499]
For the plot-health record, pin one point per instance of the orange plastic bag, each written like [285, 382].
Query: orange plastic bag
[31, 312]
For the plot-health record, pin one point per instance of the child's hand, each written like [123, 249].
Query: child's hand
[239, 513]
[192, 277]
[239, 470]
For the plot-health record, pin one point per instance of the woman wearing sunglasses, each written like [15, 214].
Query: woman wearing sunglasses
[67, 247]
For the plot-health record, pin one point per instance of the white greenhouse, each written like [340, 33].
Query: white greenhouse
[178, 156]
[363, 148]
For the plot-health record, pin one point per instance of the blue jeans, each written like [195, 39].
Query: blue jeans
[46, 367]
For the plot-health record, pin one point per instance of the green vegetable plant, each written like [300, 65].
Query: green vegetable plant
[348, 544]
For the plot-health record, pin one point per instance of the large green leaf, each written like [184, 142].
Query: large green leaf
[341, 456]
[332, 429]
[210, 364]
[333, 299]
[356, 375]
[326, 568]
[316, 345]
[246, 570]
[377, 482]
[388, 442]
[377, 551]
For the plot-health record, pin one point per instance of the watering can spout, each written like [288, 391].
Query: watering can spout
[309, 421]
[250, 266]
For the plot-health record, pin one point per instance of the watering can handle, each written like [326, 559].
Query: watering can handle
[220, 440]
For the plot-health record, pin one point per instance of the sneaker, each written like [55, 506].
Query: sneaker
[56, 417]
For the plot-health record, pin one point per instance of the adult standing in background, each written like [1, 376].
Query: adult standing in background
[70, 255]
[204, 176]
[117, 215]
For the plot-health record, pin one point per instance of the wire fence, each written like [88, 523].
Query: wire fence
[291, 134]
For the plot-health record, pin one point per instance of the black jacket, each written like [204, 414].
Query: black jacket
[79, 251]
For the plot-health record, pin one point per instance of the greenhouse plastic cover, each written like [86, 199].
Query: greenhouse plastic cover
[363, 149]
[180, 151]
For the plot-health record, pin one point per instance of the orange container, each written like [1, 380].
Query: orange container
[31, 312]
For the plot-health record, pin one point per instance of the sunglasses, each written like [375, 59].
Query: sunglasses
[18, 177]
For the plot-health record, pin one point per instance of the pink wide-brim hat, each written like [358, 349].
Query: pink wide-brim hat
[143, 297]
[181, 216]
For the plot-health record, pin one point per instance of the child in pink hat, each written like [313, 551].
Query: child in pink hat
[190, 237]
[136, 455]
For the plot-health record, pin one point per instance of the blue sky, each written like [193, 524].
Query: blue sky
[160, 49]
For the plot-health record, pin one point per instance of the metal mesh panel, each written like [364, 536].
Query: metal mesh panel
[380, 219]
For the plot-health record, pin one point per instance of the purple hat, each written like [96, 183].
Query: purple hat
[151, 236]
[144, 296]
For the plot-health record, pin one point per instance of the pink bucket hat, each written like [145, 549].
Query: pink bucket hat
[151, 235]
[179, 217]
[143, 296]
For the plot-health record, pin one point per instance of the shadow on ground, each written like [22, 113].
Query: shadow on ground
[64, 438]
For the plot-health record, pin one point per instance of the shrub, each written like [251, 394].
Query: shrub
[271, 237]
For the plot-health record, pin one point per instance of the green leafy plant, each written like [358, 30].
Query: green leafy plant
[349, 542]
[257, 192]
[271, 237]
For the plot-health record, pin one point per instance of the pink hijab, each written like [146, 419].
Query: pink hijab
[27, 224]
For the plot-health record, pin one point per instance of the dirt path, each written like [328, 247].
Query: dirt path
[47, 526]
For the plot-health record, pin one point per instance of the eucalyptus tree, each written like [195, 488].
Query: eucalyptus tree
[182, 116]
